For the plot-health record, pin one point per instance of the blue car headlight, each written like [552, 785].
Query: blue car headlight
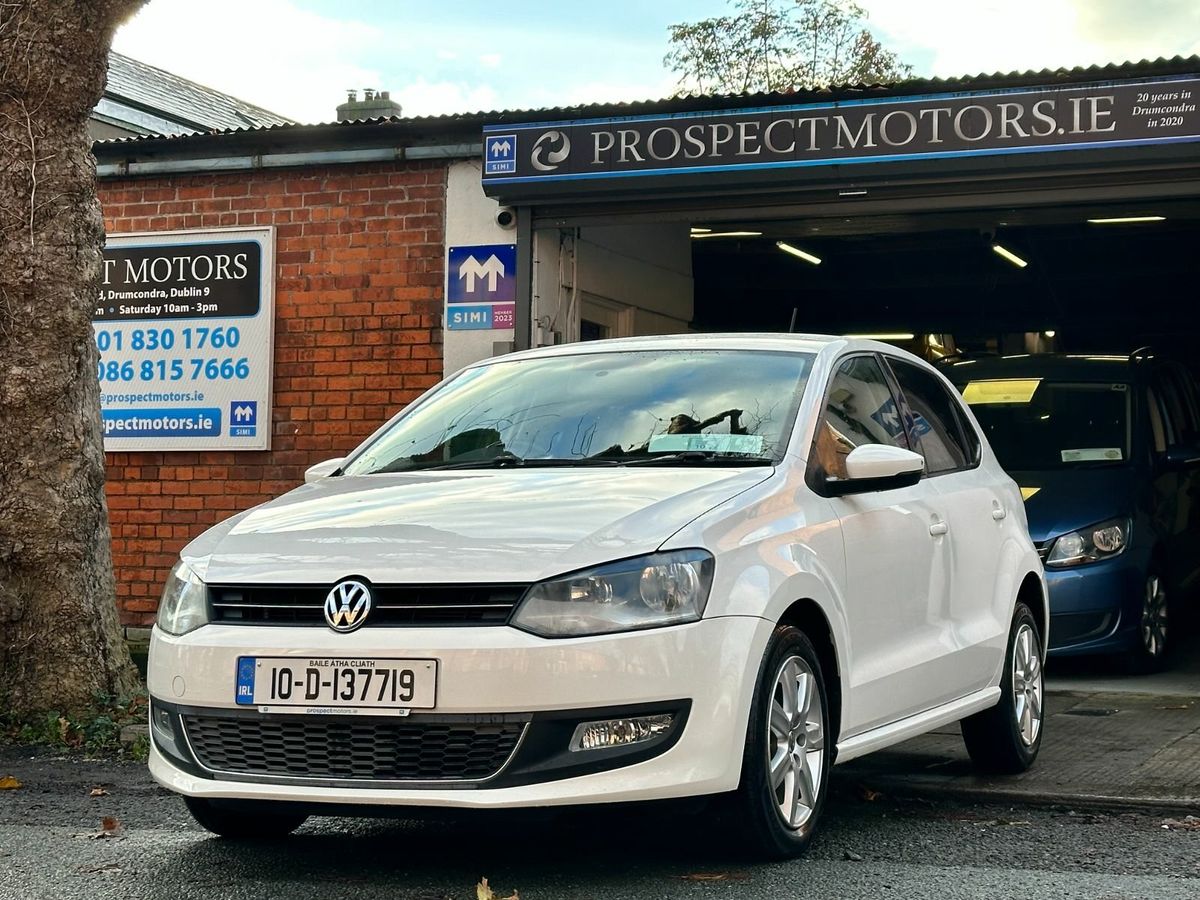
[1091, 544]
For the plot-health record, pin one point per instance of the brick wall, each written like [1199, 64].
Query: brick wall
[358, 305]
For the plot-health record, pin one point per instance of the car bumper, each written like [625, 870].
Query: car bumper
[1095, 608]
[702, 672]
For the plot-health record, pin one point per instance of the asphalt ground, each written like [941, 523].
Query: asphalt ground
[871, 845]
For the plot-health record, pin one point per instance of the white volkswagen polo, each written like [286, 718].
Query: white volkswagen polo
[627, 570]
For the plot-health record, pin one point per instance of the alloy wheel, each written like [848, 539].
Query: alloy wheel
[795, 742]
[1027, 684]
[1154, 617]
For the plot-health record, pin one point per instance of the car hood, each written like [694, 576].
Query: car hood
[504, 526]
[1067, 500]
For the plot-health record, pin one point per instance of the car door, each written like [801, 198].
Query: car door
[972, 622]
[896, 567]
[1176, 488]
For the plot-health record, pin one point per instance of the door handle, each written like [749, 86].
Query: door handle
[937, 529]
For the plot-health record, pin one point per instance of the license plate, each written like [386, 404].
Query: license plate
[334, 682]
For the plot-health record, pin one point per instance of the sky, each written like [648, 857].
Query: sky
[298, 57]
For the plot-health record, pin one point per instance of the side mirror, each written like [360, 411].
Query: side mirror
[1181, 456]
[323, 469]
[877, 467]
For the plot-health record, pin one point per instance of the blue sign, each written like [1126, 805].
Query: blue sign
[500, 154]
[138, 423]
[243, 418]
[464, 318]
[245, 681]
[482, 274]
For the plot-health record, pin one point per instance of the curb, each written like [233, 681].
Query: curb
[899, 788]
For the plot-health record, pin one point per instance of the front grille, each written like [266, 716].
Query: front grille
[1043, 549]
[371, 750]
[391, 606]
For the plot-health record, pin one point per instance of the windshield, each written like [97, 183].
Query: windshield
[731, 406]
[1033, 424]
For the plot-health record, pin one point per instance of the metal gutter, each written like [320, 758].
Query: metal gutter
[285, 160]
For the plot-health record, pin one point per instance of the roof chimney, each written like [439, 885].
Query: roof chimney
[374, 105]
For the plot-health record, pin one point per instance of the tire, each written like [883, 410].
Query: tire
[1150, 652]
[244, 824]
[1006, 738]
[800, 743]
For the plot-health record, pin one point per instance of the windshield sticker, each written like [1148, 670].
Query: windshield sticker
[1027, 492]
[706, 443]
[1094, 454]
[1005, 390]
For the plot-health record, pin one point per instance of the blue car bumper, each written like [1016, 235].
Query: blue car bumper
[1096, 608]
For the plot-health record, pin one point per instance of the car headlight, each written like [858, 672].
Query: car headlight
[1090, 544]
[184, 603]
[645, 592]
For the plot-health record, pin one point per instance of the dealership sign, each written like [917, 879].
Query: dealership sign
[859, 131]
[184, 323]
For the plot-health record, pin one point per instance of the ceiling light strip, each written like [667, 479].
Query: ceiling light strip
[797, 252]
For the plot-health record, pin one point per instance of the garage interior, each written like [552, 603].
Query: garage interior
[1099, 278]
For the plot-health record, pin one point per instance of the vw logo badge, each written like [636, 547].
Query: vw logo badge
[347, 605]
[557, 147]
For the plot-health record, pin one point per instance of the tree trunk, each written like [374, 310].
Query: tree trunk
[61, 646]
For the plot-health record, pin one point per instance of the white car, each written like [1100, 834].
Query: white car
[616, 571]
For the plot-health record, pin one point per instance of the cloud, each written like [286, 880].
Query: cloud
[491, 60]
[267, 52]
[435, 98]
[965, 38]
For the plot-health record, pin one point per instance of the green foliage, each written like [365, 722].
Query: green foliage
[775, 45]
[97, 731]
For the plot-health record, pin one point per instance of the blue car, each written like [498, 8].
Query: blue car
[1106, 450]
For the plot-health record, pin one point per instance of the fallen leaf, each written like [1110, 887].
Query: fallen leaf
[484, 892]
[851, 856]
[110, 827]
[869, 794]
[97, 792]
[8, 783]
[64, 728]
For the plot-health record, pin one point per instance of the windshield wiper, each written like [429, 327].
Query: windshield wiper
[693, 457]
[509, 461]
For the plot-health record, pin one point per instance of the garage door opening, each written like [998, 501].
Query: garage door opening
[1098, 279]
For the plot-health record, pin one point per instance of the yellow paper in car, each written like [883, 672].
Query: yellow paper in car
[1027, 492]
[1001, 390]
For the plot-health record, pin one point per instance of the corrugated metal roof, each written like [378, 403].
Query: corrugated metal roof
[472, 121]
[186, 101]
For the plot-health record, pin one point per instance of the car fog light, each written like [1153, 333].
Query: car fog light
[161, 720]
[620, 732]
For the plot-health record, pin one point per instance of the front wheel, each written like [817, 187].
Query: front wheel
[785, 771]
[1006, 738]
[1150, 654]
[259, 823]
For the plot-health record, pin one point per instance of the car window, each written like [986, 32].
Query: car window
[933, 425]
[1172, 410]
[599, 409]
[1182, 405]
[1157, 429]
[970, 435]
[1034, 424]
[859, 409]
